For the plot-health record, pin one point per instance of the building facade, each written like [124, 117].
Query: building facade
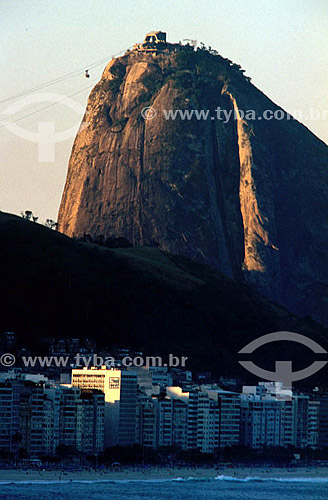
[39, 417]
[120, 394]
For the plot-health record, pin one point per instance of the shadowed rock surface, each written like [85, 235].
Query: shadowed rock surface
[248, 197]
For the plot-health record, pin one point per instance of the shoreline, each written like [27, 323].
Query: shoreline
[159, 473]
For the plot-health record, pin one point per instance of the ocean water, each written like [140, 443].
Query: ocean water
[223, 487]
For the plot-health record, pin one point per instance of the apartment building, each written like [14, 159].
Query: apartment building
[270, 416]
[120, 394]
[228, 404]
[9, 417]
[38, 417]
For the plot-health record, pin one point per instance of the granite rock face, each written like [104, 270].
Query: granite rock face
[246, 195]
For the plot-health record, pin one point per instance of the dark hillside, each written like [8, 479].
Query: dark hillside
[54, 286]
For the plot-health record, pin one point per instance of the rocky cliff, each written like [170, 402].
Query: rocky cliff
[248, 196]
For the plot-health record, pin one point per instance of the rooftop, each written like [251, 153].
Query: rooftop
[154, 41]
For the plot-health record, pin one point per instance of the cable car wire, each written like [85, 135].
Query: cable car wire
[60, 79]
[45, 107]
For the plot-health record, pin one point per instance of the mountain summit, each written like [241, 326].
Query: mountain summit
[247, 194]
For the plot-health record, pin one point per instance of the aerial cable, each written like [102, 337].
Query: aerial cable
[47, 84]
[59, 79]
[46, 107]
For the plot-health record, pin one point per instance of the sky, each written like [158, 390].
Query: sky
[282, 45]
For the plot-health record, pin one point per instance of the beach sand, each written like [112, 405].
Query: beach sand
[158, 473]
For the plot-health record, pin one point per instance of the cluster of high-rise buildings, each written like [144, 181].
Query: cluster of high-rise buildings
[103, 407]
[39, 416]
